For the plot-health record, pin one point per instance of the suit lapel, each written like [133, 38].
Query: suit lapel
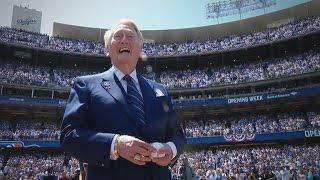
[113, 86]
[110, 85]
[149, 97]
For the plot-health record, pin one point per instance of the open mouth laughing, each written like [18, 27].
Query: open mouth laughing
[124, 50]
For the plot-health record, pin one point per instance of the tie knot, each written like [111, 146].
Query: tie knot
[128, 78]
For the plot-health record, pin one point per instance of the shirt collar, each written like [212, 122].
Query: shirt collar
[120, 74]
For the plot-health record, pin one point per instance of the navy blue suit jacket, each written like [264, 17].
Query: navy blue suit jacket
[97, 110]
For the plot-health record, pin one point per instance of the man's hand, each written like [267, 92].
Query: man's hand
[134, 149]
[166, 159]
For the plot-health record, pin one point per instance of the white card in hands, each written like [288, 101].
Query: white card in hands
[157, 146]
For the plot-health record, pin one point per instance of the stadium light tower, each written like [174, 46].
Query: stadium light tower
[239, 4]
[231, 7]
[213, 10]
[264, 5]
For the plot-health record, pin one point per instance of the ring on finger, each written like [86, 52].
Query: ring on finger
[137, 157]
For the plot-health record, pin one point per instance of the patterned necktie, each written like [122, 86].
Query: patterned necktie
[135, 100]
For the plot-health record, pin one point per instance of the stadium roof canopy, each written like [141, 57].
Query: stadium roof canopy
[204, 33]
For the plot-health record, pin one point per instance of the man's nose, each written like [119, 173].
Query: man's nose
[124, 39]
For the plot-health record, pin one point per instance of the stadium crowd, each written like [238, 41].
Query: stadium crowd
[250, 124]
[17, 73]
[37, 130]
[9, 35]
[24, 74]
[274, 162]
[254, 124]
[29, 130]
[5, 130]
[262, 70]
[314, 119]
[36, 166]
[278, 162]
[27, 74]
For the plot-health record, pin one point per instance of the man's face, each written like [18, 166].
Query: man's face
[125, 47]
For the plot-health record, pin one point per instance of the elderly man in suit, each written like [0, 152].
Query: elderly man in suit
[113, 119]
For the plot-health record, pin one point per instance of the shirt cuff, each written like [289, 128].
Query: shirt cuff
[113, 156]
[173, 149]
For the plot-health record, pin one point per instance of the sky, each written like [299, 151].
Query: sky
[148, 14]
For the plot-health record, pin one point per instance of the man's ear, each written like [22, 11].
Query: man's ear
[143, 56]
[106, 51]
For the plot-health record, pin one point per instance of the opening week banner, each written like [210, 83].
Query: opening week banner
[222, 101]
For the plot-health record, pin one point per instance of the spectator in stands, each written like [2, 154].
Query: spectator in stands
[186, 171]
[49, 175]
[1, 174]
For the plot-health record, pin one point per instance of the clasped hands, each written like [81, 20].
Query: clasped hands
[140, 152]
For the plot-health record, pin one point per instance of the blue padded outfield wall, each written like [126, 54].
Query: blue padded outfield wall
[254, 138]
